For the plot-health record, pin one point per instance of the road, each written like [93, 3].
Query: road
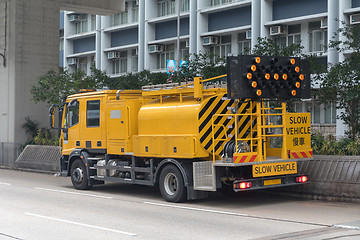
[41, 206]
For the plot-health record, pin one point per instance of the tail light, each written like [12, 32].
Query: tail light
[301, 179]
[242, 185]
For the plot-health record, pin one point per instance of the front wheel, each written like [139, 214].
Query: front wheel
[79, 176]
[172, 185]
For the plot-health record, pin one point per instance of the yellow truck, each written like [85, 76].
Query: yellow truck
[194, 138]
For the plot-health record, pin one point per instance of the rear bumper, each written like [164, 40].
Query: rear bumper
[268, 182]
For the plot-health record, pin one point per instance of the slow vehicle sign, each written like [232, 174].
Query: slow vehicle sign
[274, 169]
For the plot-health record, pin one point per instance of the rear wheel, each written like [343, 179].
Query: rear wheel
[79, 176]
[172, 185]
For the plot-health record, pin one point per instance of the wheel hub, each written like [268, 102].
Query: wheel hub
[78, 175]
[170, 184]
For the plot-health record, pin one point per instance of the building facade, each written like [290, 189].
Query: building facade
[145, 36]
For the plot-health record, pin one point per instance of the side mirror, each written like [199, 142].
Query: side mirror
[51, 116]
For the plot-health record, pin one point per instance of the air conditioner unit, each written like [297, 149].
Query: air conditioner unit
[324, 23]
[113, 55]
[355, 18]
[187, 43]
[248, 34]
[156, 48]
[210, 40]
[74, 18]
[277, 30]
[72, 61]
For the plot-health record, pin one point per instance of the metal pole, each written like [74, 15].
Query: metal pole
[178, 38]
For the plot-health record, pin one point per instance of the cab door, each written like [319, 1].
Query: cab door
[93, 133]
[71, 128]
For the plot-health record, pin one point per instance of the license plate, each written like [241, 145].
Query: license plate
[274, 169]
[272, 182]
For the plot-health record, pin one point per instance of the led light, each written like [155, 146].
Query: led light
[254, 84]
[292, 61]
[285, 76]
[297, 84]
[253, 68]
[249, 76]
[293, 92]
[244, 185]
[267, 76]
[258, 92]
[297, 69]
[301, 179]
[301, 77]
[276, 76]
[257, 60]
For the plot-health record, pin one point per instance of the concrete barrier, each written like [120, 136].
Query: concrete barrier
[43, 158]
[331, 177]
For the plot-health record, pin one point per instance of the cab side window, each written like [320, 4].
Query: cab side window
[93, 113]
[72, 114]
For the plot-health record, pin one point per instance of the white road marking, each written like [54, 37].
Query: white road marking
[3, 183]
[75, 193]
[81, 224]
[196, 209]
[347, 227]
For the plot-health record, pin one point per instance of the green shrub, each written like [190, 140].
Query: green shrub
[331, 146]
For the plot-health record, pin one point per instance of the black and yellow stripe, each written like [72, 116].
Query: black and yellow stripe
[224, 126]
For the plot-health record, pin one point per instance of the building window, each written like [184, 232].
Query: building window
[93, 113]
[61, 44]
[166, 7]
[221, 50]
[244, 44]
[184, 52]
[221, 2]
[320, 113]
[81, 26]
[120, 18]
[93, 22]
[168, 54]
[330, 113]
[134, 60]
[83, 64]
[185, 5]
[120, 65]
[135, 13]
[293, 37]
[317, 38]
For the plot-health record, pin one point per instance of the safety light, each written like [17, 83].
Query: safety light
[267, 76]
[276, 76]
[301, 179]
[249, 76]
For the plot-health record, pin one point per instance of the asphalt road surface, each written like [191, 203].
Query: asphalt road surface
[40, 206]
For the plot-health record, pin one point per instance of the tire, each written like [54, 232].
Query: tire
[172, 187]
[79, 176]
